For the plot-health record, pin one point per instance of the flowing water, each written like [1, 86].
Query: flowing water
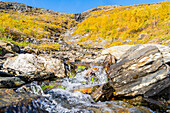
[63, 100]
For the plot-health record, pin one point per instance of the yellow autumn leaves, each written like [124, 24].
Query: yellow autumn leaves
[127, 23]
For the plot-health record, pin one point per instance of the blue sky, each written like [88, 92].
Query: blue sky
[78, 6]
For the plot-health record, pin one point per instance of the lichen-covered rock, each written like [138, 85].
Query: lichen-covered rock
[29, 63]
[142, 70]
[8, 47]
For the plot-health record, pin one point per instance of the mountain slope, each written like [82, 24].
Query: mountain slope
[101, 26]
[137, 24]
[21, 22]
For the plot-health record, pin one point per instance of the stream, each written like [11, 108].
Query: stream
[65, 99]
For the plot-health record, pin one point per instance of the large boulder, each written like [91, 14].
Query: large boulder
[142, 70]
[8, 47]
[26, 63]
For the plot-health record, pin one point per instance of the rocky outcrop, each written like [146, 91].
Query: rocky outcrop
[115, 52]
[142, 70]
[26, 63]
[19, 7]
[37, 76]
[12, 80]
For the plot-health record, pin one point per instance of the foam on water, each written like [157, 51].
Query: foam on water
[87, 77]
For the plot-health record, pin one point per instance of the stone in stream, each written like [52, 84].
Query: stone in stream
[31, 63]
[142, 70]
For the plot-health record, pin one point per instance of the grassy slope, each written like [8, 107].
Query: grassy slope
[17, 25]
[127, 23]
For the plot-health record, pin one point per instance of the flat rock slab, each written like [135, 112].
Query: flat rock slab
[118, 51]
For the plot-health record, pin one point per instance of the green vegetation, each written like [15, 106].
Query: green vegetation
[61, 87]
[127, 23]
[80, 68]
[44, 87]
[52, 85]
[44, 46]
[0, 51]
[15, 42]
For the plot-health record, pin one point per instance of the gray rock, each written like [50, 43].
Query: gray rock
[17, 102]
[141, 70]
[4, 74]
[127, 41]
[141, 36]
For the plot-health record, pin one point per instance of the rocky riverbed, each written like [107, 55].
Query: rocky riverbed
[127, 78]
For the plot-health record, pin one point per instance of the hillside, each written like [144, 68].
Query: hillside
[82, 16]
[20, 23]
[137, 24]
[103, 26]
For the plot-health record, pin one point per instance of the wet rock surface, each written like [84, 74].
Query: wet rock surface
[9, 98]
